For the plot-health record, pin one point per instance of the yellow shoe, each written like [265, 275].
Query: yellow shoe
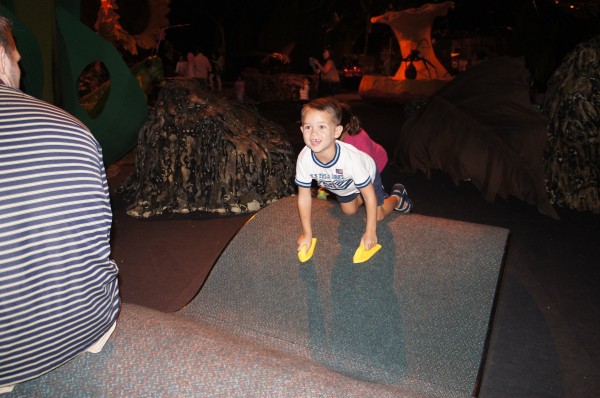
[305, 254]
[361, 255]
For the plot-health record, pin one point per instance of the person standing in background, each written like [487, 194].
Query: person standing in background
[181, 68]
[199, 67]
[218, 65]
[329, 77]
[189, 65]
[240, 88]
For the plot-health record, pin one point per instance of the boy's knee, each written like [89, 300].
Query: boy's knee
[349, 210]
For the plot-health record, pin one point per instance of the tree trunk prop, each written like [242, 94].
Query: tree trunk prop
[420, 73]
[200, 152]
[412, 29]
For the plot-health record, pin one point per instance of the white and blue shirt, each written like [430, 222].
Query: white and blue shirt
[348, 171]
[58, 288]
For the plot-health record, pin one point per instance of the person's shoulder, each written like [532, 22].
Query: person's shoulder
[18, 93]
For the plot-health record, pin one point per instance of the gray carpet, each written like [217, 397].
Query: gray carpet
[416, 315]
[410, 322]
[153, 354]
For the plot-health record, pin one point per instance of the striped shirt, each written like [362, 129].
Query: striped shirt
[58, 287]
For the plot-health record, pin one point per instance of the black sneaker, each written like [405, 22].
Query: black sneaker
[405, 205]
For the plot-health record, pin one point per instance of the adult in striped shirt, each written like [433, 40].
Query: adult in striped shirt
[59, 295]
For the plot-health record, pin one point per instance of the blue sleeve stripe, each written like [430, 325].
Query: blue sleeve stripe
[303, 184]
[363, 184]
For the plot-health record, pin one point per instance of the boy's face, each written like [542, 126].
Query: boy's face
[319, 133]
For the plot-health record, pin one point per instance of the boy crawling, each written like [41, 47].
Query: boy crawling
[341, 169]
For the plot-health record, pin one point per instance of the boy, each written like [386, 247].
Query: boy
[342, 169]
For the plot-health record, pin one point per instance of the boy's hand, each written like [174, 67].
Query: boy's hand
[306, 241]
[369, 240]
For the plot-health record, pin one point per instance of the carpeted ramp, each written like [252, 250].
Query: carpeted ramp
[411, 322]
[154, 354]
[415, 316]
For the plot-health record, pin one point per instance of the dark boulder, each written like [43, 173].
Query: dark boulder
[200, 152]
[572, 155]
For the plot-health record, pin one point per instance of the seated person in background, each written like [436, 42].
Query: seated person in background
[59, 294]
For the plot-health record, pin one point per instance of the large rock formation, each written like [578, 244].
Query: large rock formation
[200, 152]
[572, 156]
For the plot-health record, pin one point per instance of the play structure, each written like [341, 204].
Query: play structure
[124, 108]
[412, 321]
[420, 73]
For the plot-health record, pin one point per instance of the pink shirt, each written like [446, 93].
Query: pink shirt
[363, 142]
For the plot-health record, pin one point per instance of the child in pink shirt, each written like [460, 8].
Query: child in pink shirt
[356, 136]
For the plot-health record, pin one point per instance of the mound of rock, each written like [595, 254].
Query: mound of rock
[200, 152]
[572, 156]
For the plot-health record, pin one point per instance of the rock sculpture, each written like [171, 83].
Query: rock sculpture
[200, 152]
[572, 156]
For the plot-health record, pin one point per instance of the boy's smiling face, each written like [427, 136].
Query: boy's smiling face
[319, 133]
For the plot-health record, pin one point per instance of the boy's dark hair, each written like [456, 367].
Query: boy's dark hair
[350, 122]
[328, 105]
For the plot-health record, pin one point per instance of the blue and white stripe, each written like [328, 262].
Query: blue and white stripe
[58, 286]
